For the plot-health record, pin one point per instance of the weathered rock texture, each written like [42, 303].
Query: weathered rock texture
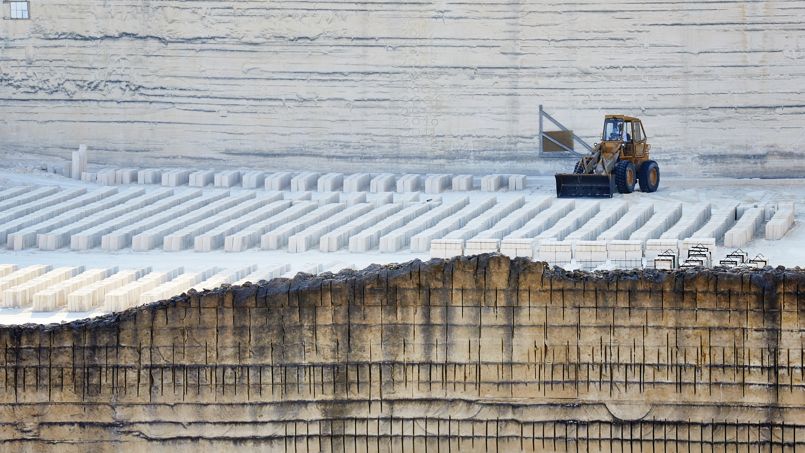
[403, 85]
[479, 354]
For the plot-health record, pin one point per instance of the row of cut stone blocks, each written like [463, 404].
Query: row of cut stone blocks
[307, 181]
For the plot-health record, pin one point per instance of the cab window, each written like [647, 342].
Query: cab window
[613, 129]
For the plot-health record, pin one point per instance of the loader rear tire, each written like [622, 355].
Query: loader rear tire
[625, 176]
[649, 176]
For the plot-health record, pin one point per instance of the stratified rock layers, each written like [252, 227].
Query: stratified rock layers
[403, 86]
[473, 354]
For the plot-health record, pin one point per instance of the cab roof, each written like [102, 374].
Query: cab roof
[622, 117]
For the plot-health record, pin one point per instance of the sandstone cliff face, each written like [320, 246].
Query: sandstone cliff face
[478, 354]
[403, 86]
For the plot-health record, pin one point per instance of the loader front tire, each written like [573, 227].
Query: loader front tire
[579, 168]
[649, 176]
[625, 176]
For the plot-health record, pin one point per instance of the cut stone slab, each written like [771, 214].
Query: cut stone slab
[201, 178]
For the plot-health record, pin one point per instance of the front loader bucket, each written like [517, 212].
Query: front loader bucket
[584, 186]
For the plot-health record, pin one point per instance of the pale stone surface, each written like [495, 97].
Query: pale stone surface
[149, 176]
[462, 183]
[106, 176]
[79, 162]
[253, 179]
[201, 178]
[227, 178]
[357, 182]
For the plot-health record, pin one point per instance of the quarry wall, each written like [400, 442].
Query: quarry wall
[472, 354]
[403, 86]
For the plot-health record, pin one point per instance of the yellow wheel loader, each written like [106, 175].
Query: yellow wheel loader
[619, 162]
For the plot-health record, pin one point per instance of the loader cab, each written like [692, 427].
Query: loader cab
[627, 131]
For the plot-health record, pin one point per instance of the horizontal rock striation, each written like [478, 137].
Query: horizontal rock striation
[401, 85]
[472, 354]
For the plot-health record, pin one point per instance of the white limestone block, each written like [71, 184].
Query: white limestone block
[339, 237]
[478, 246]
[155, 236]
[382, 198]
[91, 296]
[176, 177]
[223, 277]
[385, 182]
[26, 197]
[462, 183]
[79, 162]
[6, 269]
[267, 273]
[250, 236]
[590, 254]
[279, 181]
[510, 223]
[227, 178]
[305, 181]
[216, 238]
[54, 297]
[39, 204]
[278, 237]
[437, 183]
[328, 197]
[184, 238]
[106, 176]
[722, 219]
[128, 295]
[599, 223]
[173, 287]
[122, 237]
[89, 176]
[14, 192]
[22, 294]
[330, 182]
[625, 253]
[409, 183]
[149, 176]
[541, 221]
[780, 224]
[664, 217]
[486, 220]
[352, 198]
[517, 182]
[22, 276]
[693, 218]
[253, 179]
[357, 182]
[126, 176]
[519, 247]
[654, 247]
[633, 219]
[446, 248]
[745, 228]
[580, 215]
[127, 201]
[297, 196]
[369, 238]
[559, 253]
[201, 178]
[311, 236]
[420, 242]
[493, 183]
[21, 232]
[398, 238]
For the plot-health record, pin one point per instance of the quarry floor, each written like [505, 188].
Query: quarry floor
[788, 252]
